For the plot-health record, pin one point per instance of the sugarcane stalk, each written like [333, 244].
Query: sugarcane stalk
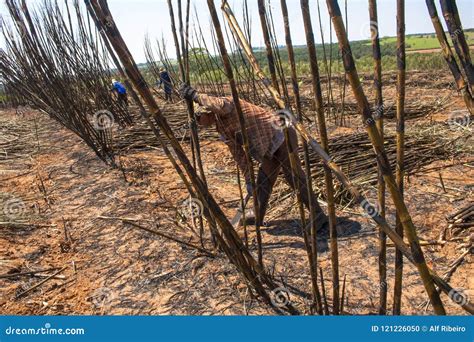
[175, 37]
[344, 87]
[324, 143]
[379, 112]
[330, 74]
[314, 285]
[210, 61]
[185, 76]
[343, 293]
[246, 144]
[461, 84]
[323, 289]
[183, 36]
[242, 206]
[276, 49]
[266, 38]
[294, 161]
[248, 33]
[325, 58]
[299, 110]
[453, 22]
[400, 170]
[364, 108]
[180, 50]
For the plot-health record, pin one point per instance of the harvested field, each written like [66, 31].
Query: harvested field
[220, 177]
[75, 213]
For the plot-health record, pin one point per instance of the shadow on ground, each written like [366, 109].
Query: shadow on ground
[345, 227]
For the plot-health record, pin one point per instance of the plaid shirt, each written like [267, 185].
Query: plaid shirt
[264, 136]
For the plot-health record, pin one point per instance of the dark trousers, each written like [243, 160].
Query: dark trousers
[122, 99]
[268, 174]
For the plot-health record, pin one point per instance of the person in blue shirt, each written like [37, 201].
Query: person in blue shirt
[121, 92]
[165, 81]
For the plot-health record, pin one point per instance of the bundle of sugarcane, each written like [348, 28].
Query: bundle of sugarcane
[356, 158]
[11, 143]
[140, 137]
[413, 109]
[19, 138]
[462, 221]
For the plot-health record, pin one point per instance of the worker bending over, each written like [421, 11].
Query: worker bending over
[121, 92]
[267, 146]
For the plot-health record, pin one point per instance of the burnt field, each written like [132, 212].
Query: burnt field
[80, 237]
[234, 173]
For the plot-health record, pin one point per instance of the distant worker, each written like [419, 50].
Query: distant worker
[121, 92]
[267, 146]
[165, 82]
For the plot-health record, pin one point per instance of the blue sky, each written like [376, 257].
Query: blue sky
[136, 18]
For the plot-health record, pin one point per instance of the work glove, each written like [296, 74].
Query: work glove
[187, 92]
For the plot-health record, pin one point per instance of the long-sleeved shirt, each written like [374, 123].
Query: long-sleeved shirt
[119, 88]
[264, 136]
